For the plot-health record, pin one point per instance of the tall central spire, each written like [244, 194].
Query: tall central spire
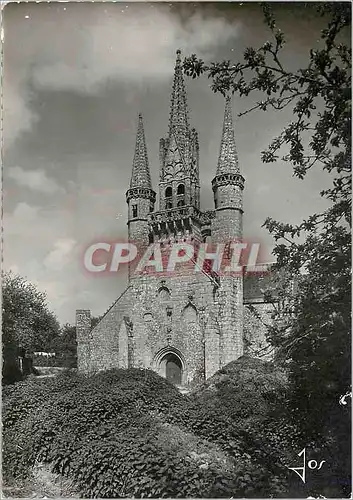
[228, 157]
[179, 120]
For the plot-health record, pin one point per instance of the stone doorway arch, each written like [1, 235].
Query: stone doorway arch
[169, 363]
[173, 369]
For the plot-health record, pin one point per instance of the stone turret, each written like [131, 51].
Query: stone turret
[140, 197]
[228, 185]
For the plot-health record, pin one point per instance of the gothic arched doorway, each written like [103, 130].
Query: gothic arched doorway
[169, 363]
[173, 369]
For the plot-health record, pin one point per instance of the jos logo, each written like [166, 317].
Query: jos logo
[312, 464]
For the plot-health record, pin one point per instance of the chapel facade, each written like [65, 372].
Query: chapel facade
[185, 325]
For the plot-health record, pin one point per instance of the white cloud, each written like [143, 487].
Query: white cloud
[130, 48]
[37, 180]
[80, 55]
[18, 117]
[61, 253]
[22, 216]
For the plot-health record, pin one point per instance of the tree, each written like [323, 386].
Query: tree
[324, 84]
[311, 331]
[65, 347]
[27, 323]
[95, 320]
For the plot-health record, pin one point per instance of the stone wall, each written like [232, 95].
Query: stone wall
[184, 315]
[99, 348]
[165, 318]
[83, 336]
[206, 327]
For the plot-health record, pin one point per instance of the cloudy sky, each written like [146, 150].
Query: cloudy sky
[75, 78]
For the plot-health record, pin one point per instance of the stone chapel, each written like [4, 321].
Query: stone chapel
[184, 325]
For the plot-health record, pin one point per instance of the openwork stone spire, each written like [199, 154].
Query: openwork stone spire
[140, 177]
[179, 120]
[228, 158]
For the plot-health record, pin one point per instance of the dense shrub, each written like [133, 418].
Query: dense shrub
[237, 409]
[129, 433]
[241, 396]
[103, 431]
[11, 372]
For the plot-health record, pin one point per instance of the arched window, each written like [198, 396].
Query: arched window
[134, 211]
[181, 203]
[168, 198]
[148, 317]
[181, 189]
[164, 294]
[190, 314]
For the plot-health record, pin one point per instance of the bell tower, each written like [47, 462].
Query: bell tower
[179, 183]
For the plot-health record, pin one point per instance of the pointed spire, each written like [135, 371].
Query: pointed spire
[179, 120]
[228, 157]
[140, 170]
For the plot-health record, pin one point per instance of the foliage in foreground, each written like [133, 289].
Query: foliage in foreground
[124, 433]
[127, 433]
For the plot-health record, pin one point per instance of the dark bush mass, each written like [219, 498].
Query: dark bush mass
[129, 433]
[125, 433]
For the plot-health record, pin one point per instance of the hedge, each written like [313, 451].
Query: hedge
[114, 434]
